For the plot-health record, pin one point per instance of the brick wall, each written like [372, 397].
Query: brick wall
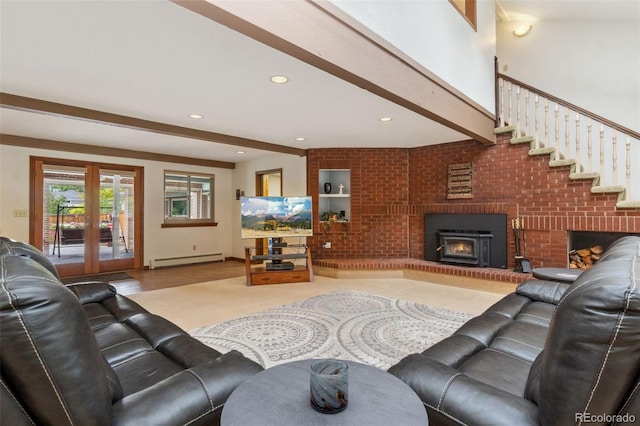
[392, 189]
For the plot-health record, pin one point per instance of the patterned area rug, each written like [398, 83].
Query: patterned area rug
[346, 324]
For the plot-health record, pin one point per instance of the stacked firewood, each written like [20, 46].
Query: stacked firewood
[584, 258]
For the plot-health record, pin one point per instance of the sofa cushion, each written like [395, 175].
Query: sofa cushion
[542, 290]
[591, 356]
[452, 397]
[41, 322]
[143, 349]
[18, 248]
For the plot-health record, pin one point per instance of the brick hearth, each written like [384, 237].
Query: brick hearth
[489, 274]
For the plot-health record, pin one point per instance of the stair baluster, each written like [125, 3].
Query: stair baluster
[578, 156]
[606, 175]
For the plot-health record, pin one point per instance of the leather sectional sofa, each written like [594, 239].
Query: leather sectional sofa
[547, 354]
[82, 354]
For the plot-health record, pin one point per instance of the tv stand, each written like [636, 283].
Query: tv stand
[281, 268]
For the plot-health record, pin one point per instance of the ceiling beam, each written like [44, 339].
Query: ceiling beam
[26, 142]
[39, 106]
[321, 35]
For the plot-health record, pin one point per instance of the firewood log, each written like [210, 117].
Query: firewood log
[584, 252]
[596, 249]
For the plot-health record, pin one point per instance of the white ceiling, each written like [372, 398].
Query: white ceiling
[157, 61]
[567, 10]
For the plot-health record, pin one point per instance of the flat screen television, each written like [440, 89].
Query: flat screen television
[276, 217]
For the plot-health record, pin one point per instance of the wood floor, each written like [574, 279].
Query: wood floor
[156, 279]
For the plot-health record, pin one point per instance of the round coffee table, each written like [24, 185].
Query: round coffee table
[280, 396]
[564, 275]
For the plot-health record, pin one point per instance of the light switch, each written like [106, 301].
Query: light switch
[20, 213]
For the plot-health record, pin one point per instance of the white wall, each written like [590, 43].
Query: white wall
[158, 242]
[294, 182]
[593, 64]
[435, 35]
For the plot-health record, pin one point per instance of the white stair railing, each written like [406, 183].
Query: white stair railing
[524, 110]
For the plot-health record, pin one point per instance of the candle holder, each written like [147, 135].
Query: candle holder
[329, 385]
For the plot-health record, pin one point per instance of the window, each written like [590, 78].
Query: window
[188, 199]
[467, 9]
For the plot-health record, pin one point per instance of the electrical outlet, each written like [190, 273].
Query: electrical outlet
[194, 247]
[20, 213]
[326, 244]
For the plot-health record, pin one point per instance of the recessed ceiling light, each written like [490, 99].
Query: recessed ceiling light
[299, 139]
[240, 152]
[279, 79]
[196, 116]
[385, 119]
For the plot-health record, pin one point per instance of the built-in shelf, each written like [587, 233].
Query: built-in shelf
[338, 200]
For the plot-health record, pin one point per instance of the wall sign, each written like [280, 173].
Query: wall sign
[460, 181]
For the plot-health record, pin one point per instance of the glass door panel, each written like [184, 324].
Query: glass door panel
[63, 213]
[116, 216]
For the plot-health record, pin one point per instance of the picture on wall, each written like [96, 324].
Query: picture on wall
[460, 181]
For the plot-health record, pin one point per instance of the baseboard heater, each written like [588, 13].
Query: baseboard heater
[185, 260]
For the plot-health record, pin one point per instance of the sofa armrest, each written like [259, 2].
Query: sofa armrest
[455, 398]
[194, 396]
[542, 290]
[92, 291]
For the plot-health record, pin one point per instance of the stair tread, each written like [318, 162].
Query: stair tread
[542, 151]
[584, 175]
[603, 189]
[505, 129]
[560, 163]
[628, 204]
[522, 139]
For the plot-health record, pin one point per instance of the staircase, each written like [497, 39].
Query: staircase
[595, 148]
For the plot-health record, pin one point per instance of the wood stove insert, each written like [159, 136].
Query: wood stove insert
[488, 230]
[465, 248]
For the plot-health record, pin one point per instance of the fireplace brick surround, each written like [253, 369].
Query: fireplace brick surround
[392, 189]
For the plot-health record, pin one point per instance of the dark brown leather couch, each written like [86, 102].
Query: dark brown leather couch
[548, 354]
[82, 354]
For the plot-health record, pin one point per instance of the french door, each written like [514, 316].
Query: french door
[87, 215]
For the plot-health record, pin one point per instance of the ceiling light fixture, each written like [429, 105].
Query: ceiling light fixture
[299, 139]
[279, 79]
[196, 116]
[522, 30]
[385, 119]
[240, 152]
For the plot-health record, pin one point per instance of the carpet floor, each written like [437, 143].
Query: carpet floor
[344, 324]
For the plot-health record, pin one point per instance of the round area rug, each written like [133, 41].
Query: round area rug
[345, 324]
